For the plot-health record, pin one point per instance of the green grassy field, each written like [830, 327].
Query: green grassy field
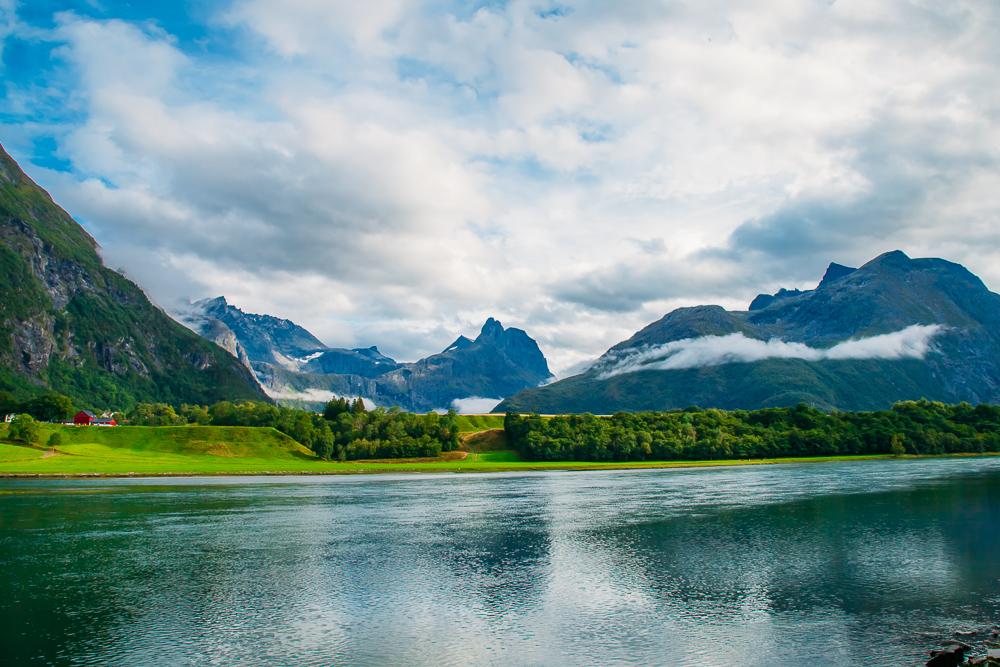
[475, 423]
[223, 450]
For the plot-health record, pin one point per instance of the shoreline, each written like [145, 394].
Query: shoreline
[446, 467]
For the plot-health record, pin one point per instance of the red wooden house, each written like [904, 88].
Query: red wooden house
[88, 418]
[84, 418]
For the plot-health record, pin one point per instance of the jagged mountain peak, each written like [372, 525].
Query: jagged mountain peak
[762, 301]
[288, 359]
[211, 302]
[459, 343]
[265, 338]
[894, 259]
[835, 272]
[498, 363]
[491, 329]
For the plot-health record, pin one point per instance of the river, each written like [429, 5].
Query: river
[854, 563]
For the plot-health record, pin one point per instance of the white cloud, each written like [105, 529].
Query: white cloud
[313, 396]
[475, 405]
[392, 172]
[913, 342]
[573, 369]
[304, 27]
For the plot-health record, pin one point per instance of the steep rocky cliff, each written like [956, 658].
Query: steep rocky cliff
[70, 324]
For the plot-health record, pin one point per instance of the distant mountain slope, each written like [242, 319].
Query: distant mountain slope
[292, 363]
[920, 328]
[364, 361]
[498, 363]
[262, 337]
[273, 341]
[70, 324]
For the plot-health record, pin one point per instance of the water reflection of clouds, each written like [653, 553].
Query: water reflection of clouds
[696, 567]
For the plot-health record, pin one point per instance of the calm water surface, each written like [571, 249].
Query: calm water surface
[822, 564]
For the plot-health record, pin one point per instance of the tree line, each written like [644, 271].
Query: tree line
[25, 429]
[909, 427]
[345, 430]
[50, 406]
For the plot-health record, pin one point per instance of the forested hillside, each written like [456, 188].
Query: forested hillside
[70, 324]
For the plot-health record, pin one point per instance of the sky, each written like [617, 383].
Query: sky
[393, 172]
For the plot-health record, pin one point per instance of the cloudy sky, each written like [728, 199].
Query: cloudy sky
[392, 172]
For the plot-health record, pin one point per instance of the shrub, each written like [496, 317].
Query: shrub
[24, 429]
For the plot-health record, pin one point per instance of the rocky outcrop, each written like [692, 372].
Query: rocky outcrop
[367, 362]
[70, 324]
[263, 337]
[764, 300]
[223, 336]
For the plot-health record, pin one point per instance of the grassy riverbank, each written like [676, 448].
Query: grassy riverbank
[219, 450]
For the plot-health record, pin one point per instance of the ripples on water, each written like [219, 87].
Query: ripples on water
[839, 564]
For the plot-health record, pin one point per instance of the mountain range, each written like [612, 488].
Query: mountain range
[896, 328]
[292, 364]
[70, 324]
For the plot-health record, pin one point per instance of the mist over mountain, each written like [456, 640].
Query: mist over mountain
[292, 364]
[70, 324]
[896, 328]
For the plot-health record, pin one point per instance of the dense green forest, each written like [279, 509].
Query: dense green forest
[910, 427]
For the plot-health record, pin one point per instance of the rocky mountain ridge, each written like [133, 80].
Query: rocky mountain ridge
[292, 364]
[895, 328]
